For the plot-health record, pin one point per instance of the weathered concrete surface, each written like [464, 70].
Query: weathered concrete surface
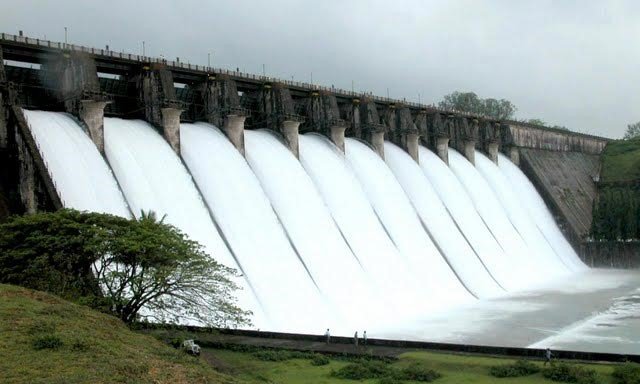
[35, 186]
[565, 181]
[161, 108]
[276, 110]
[91, 113]
[529, 136]
[402, 130]
[611, 254]
[322, 114]
[439, 131]
[490, 136]
[233, 128]
[373, 131]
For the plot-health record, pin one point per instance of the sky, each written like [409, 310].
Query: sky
[570, 63]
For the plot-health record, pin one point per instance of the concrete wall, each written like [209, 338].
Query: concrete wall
[611, 254]
[528, 136]
[566, 182]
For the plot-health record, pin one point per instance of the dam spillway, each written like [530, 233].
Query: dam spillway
[407, 226]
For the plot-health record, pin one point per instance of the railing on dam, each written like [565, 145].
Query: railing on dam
[106, 54]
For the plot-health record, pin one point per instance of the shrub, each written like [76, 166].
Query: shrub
[415, 372]
[364, 370]
[628, 373]
[47, 342]
[517, 369]
[390, 380]
[318, 360]
[268, 355]
[79, 346]
[571, 374]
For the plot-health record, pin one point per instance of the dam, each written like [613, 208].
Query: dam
[340, 210]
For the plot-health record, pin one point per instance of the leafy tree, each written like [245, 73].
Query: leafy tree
[134, 268]
[633, 131]
[470, 102]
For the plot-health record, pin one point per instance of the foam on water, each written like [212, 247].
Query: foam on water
[153, 178]
[539, 247]
[462, 210]
[519, 260]
[440, 225]
[252, 230]
[332, 264]
[538, 211]
[350, 208]
[80, 173]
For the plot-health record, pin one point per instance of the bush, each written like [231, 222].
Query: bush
[268, 355]
[47, 342]
[415, 372]
[571, 374]
[390, 380]
[517, 369]
[318, 360]
[628, 373]
[364, 370]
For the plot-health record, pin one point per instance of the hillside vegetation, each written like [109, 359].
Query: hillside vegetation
[621, 161]
[44, 339]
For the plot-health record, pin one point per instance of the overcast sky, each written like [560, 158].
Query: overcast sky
[571, 63]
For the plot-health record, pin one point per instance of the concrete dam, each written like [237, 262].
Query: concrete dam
[340, 210]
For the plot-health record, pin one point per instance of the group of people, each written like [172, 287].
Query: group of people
[327, 335]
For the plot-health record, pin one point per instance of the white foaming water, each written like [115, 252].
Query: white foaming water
[526, 269]
[422, 260]
[252, 230]
[462, 210]
[80, 173]
[319, 242]
[440, 225]
[538, 211]
[362, 230]
[538, 245]
[153, 178]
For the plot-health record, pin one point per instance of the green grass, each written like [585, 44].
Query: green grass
[621, 161]
[44, 339]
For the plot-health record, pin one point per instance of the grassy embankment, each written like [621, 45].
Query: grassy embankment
[44, 339]
[621, 161]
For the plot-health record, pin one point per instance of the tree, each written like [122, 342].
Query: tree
[470, 102]
[135, 268]
[633, 131]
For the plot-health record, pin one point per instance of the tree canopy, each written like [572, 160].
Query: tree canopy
[470, 102]
[633, 131]
[134, 269]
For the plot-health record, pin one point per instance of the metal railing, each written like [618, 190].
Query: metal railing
[248, 76]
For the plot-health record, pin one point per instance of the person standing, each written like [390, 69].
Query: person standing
[547, 356]
[364, 337]
[327, 335]
[355, 339]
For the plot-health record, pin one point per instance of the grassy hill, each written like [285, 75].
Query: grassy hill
[44, 339]
[621, 161]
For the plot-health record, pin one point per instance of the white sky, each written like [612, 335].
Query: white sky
[571, 63]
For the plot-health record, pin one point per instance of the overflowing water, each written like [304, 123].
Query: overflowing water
[350, 241]
[153, 178]
[541, 250]
[524, 269]
[80, 173]
[252, 230]
[439, 224]
[538, 211]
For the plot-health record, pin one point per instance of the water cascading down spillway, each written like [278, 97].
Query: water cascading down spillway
[253, 231]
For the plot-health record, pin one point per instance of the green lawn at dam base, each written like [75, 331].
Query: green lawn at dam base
[44, 339]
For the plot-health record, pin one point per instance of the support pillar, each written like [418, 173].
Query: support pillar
[492, 151]
[514, 155]
[336, 134]
[171, 127]
[91, 113]
[234, 129]
[470, 151]
[442, 148]
[289, 130]
[376, 139]
[409, 143]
